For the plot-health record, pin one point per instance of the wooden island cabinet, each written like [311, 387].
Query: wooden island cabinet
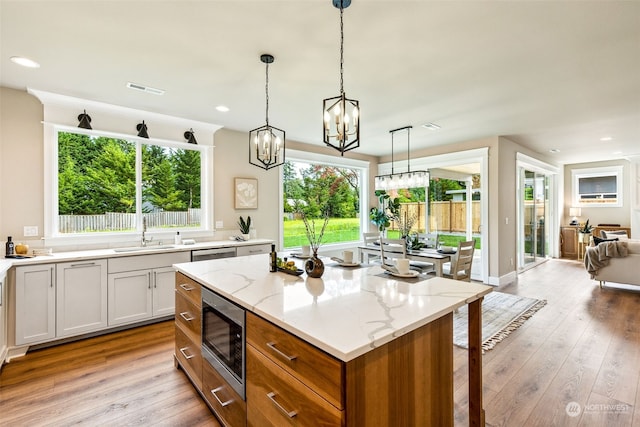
[353, 348]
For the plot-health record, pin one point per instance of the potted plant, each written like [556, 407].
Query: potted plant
[388, 210]
[245, 227]
[585, 232]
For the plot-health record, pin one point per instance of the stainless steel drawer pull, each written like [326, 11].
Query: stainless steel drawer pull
[223, 404]
[187, 316]
[186, 356]
[86, 264]
[272, 397]
[187, 287]
[273, 347]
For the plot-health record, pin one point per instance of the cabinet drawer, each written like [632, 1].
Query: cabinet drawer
[253, 250]
[189, 355]
[226, 403]
[188, 317]
[275, 398]
[142, 262]
[189, 288]
[320, 371]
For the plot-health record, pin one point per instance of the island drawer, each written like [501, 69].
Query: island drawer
[225, 402]
[189, 355]
[189, 288]
[188, 316]
[253, 250]
[276, 398]
[315, 368]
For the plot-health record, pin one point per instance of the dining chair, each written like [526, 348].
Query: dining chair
[430, 240]
[461, 262]
[390, 249]
[370, 239]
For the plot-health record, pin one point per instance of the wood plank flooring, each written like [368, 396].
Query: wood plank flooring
[582, 347]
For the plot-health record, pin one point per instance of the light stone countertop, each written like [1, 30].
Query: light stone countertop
[7, 263]
[346, 313]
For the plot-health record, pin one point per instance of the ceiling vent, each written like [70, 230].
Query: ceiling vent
[147, 89]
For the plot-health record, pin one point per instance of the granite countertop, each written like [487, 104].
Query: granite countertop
[346, 313]
[6, 263]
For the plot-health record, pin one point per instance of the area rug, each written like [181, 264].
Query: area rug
[501, 314]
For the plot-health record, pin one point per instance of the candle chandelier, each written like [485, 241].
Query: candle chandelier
[341, 127]
[408, 179]
[266, 143]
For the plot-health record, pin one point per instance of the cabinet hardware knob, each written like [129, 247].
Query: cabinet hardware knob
[272, 396]
[186, 356]
[223, 404]
[273, 347]
[186, 316]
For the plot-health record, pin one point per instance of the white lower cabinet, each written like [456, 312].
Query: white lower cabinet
[35, 303]
[3, 316]
[136, 295]
[81, 289]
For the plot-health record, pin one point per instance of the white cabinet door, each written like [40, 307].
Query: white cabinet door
[164, 294]
[81, 304]
[35, 303]
[130, 297]
[3, 317]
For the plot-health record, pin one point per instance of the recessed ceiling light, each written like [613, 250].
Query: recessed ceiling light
[617, 152]
[554, 150]
[143, 88]
[606, 138]
[222, 108]
[431, 126]
[25, 62]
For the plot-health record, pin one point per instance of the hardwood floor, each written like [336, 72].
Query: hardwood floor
[583, 347]
[126, 378]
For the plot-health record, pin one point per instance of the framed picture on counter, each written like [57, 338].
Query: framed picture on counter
[246, 193]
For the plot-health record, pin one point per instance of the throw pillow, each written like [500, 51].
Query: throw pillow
[611, 233]
[598, 240]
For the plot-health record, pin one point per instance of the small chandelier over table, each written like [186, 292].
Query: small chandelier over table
[266, 143]
[341, 121]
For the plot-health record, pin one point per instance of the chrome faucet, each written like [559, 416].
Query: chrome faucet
[144, 240]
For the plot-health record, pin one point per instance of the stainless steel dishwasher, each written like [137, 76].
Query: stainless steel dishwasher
[215, 253]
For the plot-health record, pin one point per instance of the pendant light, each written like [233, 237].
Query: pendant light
[142, 130]
[266, 143]
[408, 179]
[341, 127]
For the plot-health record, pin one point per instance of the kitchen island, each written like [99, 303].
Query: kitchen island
[356, 347]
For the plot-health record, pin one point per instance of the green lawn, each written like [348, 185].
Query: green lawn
[346, 230]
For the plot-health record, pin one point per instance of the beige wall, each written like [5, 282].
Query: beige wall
[22, 177]
[601, 215]
[21, 163]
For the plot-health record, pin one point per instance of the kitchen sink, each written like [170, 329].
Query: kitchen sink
[144, 248]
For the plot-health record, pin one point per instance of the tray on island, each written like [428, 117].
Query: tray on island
[292, 272]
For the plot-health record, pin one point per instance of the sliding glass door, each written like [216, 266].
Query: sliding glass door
[534, 214]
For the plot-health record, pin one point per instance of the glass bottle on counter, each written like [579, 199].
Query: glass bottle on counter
[9, 247]
[273, 259]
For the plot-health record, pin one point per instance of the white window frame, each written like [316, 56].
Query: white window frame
[577, 174]
[340, 162]
[51, 231]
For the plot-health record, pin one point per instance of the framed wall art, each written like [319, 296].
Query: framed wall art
[246, 193]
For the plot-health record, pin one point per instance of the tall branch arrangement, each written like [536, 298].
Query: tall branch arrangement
[315, 239]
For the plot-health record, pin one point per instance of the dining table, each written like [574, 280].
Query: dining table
[429, 255]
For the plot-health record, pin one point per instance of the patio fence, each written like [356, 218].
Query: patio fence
[117, 221]
[448, 216]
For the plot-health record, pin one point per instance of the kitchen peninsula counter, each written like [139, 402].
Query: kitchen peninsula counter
[354, 313]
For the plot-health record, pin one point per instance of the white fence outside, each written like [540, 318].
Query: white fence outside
[116, 221]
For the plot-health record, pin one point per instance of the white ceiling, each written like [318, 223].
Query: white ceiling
[552, 74]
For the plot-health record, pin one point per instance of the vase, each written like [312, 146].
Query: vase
[314, 265]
